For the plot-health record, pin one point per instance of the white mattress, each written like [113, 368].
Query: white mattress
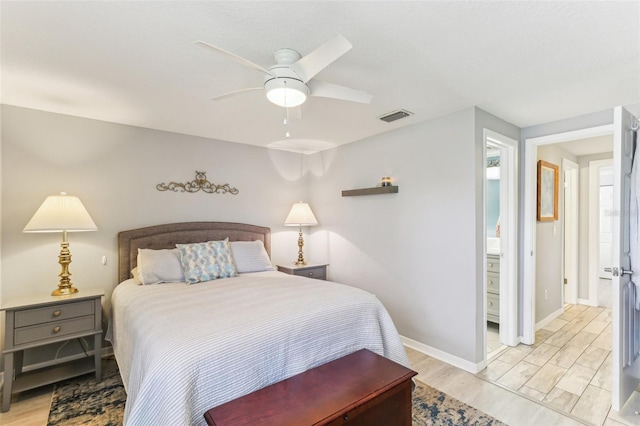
[183, 349]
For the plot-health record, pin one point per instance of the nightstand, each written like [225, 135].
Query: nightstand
[317, 271]
[40, 320]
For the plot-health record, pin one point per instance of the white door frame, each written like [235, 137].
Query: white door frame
[594, 227]
[571, 219]
[508, 235]
[529, 235]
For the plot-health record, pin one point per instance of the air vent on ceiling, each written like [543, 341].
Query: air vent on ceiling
[395, 115]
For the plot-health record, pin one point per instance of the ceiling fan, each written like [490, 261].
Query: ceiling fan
[290, 81]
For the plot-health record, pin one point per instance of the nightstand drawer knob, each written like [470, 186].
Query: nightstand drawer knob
[56, 313]
[310, 274]
[56, 329]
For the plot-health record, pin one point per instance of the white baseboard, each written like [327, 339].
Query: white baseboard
[585, 302]
[549, 318]
[444, 356]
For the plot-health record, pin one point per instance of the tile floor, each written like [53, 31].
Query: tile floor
[506, 405]
[568, 368]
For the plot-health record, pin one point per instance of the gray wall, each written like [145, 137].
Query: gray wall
[420, 251]
[114, 170]
[549, 244]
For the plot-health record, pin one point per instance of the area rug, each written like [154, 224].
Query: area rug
[82, 401]
[432, 407]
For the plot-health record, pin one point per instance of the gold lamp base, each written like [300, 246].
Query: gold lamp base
[64, 291]
[65, 287]
[300, 261]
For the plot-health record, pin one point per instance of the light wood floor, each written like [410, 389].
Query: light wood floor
[32, 408]
[29, 408]
[569, 367]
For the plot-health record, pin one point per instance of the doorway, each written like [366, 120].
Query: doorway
[585, 138]
[500, 250]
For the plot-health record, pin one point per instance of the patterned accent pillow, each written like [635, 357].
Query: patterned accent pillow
[206, 261]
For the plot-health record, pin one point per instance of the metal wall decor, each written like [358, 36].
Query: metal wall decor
[200, 183]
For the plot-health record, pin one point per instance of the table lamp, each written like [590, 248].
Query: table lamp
[300, 215]
[62, 213]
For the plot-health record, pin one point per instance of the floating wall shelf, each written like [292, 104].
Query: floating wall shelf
[370, 191]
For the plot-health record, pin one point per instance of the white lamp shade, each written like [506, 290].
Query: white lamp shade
[300, 215]
[61, 213]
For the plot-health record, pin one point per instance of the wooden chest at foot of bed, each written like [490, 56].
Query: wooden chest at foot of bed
[358, 389]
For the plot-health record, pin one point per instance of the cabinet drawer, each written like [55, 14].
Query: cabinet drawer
[493, 264]
[493, 282]
[318, 273]
[58, 312]
[53, 329]
[493, 304]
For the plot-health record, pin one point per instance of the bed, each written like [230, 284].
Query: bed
[185, 348]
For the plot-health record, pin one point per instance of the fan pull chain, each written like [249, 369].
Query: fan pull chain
[286, 116]
[286, 121]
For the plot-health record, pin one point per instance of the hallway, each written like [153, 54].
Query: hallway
[568, 368]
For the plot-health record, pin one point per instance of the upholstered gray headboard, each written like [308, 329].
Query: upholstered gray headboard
[167, 236]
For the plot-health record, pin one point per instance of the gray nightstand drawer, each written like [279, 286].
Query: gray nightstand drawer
[318, 273]
[58, 312]
[493, 282]
[53, 329]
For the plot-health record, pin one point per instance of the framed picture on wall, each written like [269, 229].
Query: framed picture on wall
[547, 191]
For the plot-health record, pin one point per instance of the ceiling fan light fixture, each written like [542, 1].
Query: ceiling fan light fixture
[286, 92]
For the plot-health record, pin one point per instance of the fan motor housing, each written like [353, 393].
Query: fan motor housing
[284, 87]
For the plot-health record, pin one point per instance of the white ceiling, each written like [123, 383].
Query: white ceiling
[588, 146]
[135, 62]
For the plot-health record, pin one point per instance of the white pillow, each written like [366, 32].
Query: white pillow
[250, 256]
[135, 273]
[160, 266]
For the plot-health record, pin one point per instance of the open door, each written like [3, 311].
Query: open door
[626, 318]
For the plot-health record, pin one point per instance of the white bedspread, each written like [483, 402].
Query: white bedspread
[183, 349]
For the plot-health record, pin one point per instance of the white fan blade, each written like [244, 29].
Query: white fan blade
[234, 93]
[320, 58]
[329, 90]
[232, 56]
